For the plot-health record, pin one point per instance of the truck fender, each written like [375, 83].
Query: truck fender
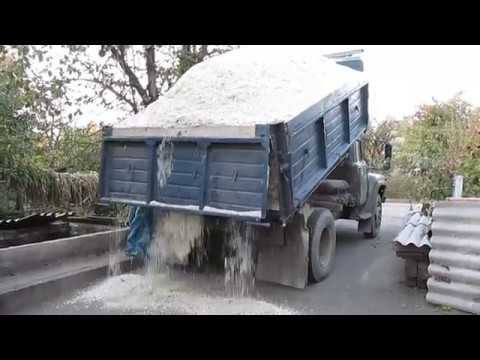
[376, 185]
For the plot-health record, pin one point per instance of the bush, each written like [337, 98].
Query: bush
[440, 141]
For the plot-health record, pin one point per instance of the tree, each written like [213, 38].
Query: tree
[24, 170]
[126, 77]
[375, 139]
[64, 79]
[78, 149]
[440, 142]
[17, 99]
[470, 166]
[50, 95]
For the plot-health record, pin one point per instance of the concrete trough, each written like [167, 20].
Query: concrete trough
[37, 272]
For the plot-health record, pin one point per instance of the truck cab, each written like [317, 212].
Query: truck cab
[352, 192]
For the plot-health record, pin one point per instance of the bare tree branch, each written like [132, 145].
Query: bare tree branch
[203, 52]
[130, 75]
[119, 96]
[151, 72]
[118, 54]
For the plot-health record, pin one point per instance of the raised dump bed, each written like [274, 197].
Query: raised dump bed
[254, 132]
[248, 172]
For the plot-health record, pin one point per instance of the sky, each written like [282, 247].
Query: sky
[401, 77]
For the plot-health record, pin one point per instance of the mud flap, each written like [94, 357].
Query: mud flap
[283, 253]
[365, 225]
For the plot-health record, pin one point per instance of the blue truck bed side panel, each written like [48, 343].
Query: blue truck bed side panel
[320, 137]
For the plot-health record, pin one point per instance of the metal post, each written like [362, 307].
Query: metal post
[457, 186]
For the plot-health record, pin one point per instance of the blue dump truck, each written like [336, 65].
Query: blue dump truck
[288, 182]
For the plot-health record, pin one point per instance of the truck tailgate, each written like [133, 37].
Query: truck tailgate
[224, 177]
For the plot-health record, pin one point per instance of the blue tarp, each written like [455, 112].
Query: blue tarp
[140, 235]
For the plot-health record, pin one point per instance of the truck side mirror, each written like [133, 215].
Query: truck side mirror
[388, 156]
[388, 151]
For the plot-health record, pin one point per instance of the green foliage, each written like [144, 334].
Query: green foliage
[17, 99]
[375, 139]
[24, 156]
[429, 148]
[436, 147]
[77, 149]
[470, 167]
[400, 186]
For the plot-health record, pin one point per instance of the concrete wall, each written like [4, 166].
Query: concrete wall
[26, 257]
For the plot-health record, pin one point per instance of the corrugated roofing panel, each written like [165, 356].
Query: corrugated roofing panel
[455, 255]
[415, 231]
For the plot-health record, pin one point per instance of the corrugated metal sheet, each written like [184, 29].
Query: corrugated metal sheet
[36, 219]
[455, 256]
[415, 231]
[413, 245]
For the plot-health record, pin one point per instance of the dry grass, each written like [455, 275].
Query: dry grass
[51, 188]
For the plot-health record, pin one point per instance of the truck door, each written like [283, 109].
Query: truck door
[362, 171]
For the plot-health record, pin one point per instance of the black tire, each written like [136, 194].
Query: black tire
[376, 220]
[322, 244]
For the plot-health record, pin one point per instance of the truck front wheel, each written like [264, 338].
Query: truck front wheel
[376, 220]
[322, 243]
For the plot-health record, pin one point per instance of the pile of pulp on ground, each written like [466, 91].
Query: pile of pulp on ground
[247, 87]
[158, 293]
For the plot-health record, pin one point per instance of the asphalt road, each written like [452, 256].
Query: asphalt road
[367, 279]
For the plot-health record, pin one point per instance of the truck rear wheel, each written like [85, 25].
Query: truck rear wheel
[376, 220]
[322, 244]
